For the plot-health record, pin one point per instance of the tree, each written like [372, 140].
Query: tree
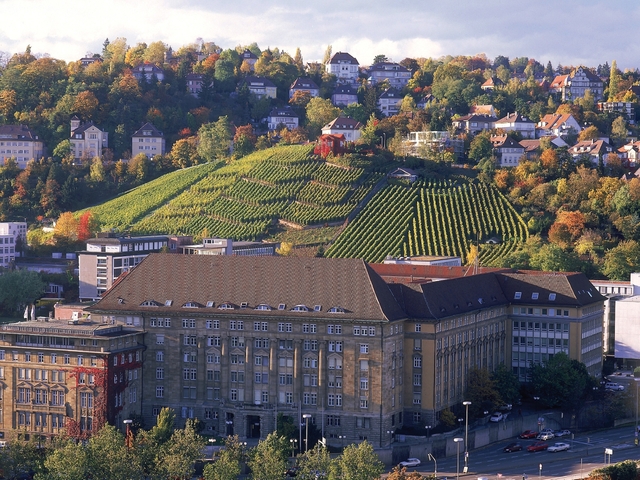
[619, 131]
[66, 228]
[481, 392]
[560, 382]
[177, 456]
[380, 58]
[268, 460]
[315, 463]
[109, 457]
[621, 261]
[400, 473]
[614, 81]
[21, 457]
[227, 466]
[88, 226]
[327, 55]
[319, 113]
[481, 147]
[184, 153]
[357, 462]
[214, 140]
[506, 383]
[19, 288]
[589, 133]
[244, 141]
[285, 249]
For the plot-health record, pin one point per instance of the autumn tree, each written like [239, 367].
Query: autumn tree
[66, 227]
[214, 140]
[244, 141]
[88, 226]
[319, 113]
[86, 104]
[589, 133]
[400, 473]
[184, 153]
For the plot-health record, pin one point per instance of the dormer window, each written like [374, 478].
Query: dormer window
[517, 296]
[210, 303]
[534, 296]
[300, 308]
[336, 310]
[191, 305]
[263, 306]
[317, 308]
[243, 305]
[225, 306]
[149, 303]
[282, 306]
[168, 303]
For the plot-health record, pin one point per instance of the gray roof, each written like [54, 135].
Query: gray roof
[343, 57]
[350, 284]
[148, 127]
[17, 132]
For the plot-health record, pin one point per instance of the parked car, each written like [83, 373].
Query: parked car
[613, 386]
[537, 447]
[562, 433]
[292, 471]
[545, 436]
[559, 447]
[505, 408]
[527, 434]
[546, 430]
[410, 462]
[512, 447]
[496, 417]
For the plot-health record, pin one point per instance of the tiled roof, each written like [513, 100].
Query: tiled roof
[501, 141]
[343, 57]
[304, 83]
[391, 93]
[386, 66]
[252, 80]
[345, 90]
[83, 128]
[148, 127]
[343, 123]
[285, 111]
[514, 118]
[571, 289]
[248, 54]
[17, 132]
[349, 284]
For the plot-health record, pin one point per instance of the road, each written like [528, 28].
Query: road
[586, 454]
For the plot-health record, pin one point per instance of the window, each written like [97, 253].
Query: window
[159, 392]
[364, 403]
[417, 379]
[417, 362]
[159, 356]
[159, 373]
[364, 348]
[159, 339]
[364, 384]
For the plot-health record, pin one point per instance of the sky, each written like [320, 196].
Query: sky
[567, 32]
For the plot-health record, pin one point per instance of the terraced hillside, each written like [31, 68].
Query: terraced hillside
[244, 199]
[433, 218]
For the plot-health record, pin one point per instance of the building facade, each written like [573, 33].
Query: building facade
[87, 140]
[21, 143]
[148, 140]
[13, 237]
[69, 376]
[344, 66]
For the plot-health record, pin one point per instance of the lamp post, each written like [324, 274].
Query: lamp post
[211, 442]
[293, 442]
[342, 437]
[466, 435]
[306, 417]
[428, 427]
[435, 464]
[390, 432]
[458, 440]
[128, 435]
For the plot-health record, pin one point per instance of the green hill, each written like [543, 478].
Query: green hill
[290, 187]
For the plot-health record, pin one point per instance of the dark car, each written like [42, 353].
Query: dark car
[529, 434]
[292, 472]
[537, 447]
[512, 447]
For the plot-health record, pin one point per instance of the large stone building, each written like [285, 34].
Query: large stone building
[13, 237]
[87, 140]
[148, 140]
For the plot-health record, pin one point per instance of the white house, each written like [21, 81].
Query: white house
[261, 87]
[344, 67]
[280, 116]
[87, 140]
[518, 123]
[506, 150]
[344, 95]
[396, 74]
[148, 71]
[304, 85]
[148, 140]
[557, 124]
[21, 143]
[389, 102]
[347, 126]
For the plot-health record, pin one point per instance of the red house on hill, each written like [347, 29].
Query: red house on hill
[330, 143]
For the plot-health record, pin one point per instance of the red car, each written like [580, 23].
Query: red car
[537, 447]
[529, 434]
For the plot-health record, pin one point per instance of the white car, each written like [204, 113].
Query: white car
[559, 447]
[545, 436]
[410, 462]
[496, 417]
[562, 433]
[613, 386]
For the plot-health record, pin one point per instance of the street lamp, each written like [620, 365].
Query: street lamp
[128, 435]
[342, 437]
[211, 442]
[428, 427]
[466, 436]
[306, 417]
[293, 442]
[435, 464]
[390, 432]
[458, 440]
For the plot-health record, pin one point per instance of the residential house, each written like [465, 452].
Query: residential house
[507, 151]
[395, 74]
[532, 146]
[344, 67]
[304, 84]
[343, 95]
[20, 143]
[474, 123]
[283, 116]
[389, 102]
[260, 86]
[424, 101]
[403, 173]
[86, 61]
[330, 143]
[87, 140]
[595, 150]
[250, 58]
[491, 84]
[195, 82]
[575, 84]
[630, 153]
[148, 71]
[627, 109]
[109, 256]
[148, 140]
[419, 143]
[557, 124]
[347, 126]
[514, 122]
